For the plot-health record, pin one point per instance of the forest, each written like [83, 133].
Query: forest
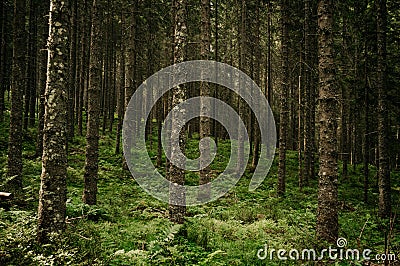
[212, 132]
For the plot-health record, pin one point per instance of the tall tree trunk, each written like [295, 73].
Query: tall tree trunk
[113, 78]
[257, 77]
[314, 79]
[86, 22]
[327, 213]
[17, 91]
[366, 133]
[177, 200]
[94, 89]
[215, 126]
[131, 71]
[243, 67]
[284, 111]
[29, 71]
[383, 171]
[300, 132]
[72, 72]
[205, 108]
[121, 91]
[53, 189]
[3, 66]
[43, 55]
[31, 82]
[309, 101]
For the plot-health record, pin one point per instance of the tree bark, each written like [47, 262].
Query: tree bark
[94, 90]
[53, 189]
[177, 199]
[257, 77]
[284, 111]
[327, 213]
[30, 88]
[205, 108]
[121, 91]
[72, 72]
[243, 67]
[17, 91]
[308, 100]
[3, 65]
[42, 58]
[383, 171]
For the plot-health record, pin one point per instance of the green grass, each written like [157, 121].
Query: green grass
[129, 227]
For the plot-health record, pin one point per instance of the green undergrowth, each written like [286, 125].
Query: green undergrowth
[129, 227]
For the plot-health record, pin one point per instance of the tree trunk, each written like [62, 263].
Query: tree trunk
[205, 108]
[3, 66]
[44, 33]
[284, 111]
[131, 71]
[309, 101]
[327, 213]
[121, 91]
[366, 133]
[383, 171]
[243, 67]
[17, 91]
[31, 82]
[94, 90]
[72, 72]
[177, 200]
[53, 189]
[257, 77]
[215, 126]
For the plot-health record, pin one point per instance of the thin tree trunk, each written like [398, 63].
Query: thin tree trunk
[257, 45]
[130, 74]
[53, 189]
[216, 128]
[177, 200]
[327, 213]
[121, 91]
[243, 67]
[94, 89]
[113, 79]
[300, 136]
[17, 90]
[43, 55]
[284, 112]
[72, 72]
[205, 108]
[366, 133]
[30, 61]
[31, 82]
[383, 171]
[3, 66]
[308, 99]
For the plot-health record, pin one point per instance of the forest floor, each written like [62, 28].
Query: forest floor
[129, 227]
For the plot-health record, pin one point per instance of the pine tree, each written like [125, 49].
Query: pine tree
[383, 170]
[53, 189]
[284, 110]
[94, 90]
[327, 213]
[205, 108]
[17, 91]
[177, 201]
